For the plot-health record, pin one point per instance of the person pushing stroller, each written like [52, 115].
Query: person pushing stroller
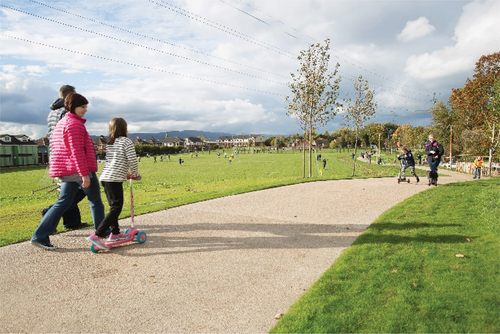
[408, 161]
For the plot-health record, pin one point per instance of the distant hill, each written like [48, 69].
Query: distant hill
[181, 134]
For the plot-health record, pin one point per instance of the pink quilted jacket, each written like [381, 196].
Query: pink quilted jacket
[72, 148]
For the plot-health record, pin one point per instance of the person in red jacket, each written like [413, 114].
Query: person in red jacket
[73, 161]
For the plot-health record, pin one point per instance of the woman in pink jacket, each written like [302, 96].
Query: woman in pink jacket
[74, 162]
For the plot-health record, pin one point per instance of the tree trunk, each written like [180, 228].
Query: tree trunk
[355, 153]
[304, 156]
[310, 153]
[491, 149]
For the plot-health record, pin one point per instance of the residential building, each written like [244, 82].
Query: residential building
[17, 150]
[241, 141]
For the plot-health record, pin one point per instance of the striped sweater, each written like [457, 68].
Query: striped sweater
[120, 157]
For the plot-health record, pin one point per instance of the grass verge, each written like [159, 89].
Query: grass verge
[402, 275]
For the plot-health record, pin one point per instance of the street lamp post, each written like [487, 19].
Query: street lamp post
[451, 144]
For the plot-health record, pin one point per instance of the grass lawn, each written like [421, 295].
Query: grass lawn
[167, 184]
[428, 265]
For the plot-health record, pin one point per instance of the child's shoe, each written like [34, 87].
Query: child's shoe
[98, 241]
[418, 180]
[117, 237]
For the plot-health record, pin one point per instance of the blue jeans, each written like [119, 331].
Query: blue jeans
[67, 198]
[477, 172]
[72, 217]
[433, 164]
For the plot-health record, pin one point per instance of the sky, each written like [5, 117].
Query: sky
[225, 65]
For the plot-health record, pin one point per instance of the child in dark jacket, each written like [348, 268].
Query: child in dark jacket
[408, 161]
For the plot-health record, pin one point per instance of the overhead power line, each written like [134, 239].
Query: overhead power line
[157, 39]
[137, 65]
[143, 46]
[343, 56]
[221, 27]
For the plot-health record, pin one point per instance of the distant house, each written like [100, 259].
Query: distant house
[316, 144]
[139, 141]
[154, 142]
[241, 141]
[100, 143]
[321, 143]
[193, 143]
[43, 150]
[172, 141]
[17, 150]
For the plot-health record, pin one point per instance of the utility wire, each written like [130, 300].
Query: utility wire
[346, 58]
[141, 46]
[156, 39]
[137, 65]
[221, 27]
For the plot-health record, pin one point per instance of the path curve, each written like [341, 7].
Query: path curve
[220, 266]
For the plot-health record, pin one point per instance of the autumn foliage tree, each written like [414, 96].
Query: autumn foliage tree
[475, 115]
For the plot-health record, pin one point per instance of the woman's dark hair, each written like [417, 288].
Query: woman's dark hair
[117, 128]
[73, 101]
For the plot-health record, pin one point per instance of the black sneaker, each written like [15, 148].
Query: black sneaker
[418, 180]
[76, 227]
[47, 246]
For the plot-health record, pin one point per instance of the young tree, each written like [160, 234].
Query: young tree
[358, 112]
[314, 92]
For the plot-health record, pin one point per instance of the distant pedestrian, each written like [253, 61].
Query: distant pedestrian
[324, 163]
[434, 151]
[478, 166]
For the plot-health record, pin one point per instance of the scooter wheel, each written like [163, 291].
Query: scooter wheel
[142, 237]
[399, 181]
[408, 181]
[94, 249]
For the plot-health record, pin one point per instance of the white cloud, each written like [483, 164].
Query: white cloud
[416, 29]
[33, 131]
[475, 35]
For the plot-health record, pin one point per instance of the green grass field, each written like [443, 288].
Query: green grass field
[431, 264]
[167, 184]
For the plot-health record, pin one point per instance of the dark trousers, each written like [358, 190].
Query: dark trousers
[114, 194]
[72, 217]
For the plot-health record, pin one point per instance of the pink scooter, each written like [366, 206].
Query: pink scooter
[132, 232]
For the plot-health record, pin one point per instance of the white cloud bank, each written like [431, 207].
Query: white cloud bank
[416, 29]
[476, 34]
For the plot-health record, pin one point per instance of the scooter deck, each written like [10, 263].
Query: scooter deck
[134, 235]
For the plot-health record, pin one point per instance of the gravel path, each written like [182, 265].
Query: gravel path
[220, 266]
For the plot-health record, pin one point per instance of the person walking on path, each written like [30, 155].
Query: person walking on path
[121, 158]
[434, 151]
[478, 166]
[74, 162]
[72, 217]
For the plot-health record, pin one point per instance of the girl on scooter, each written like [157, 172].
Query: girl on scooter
[120, 158]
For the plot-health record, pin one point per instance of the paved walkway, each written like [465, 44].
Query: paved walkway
[220, 266]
